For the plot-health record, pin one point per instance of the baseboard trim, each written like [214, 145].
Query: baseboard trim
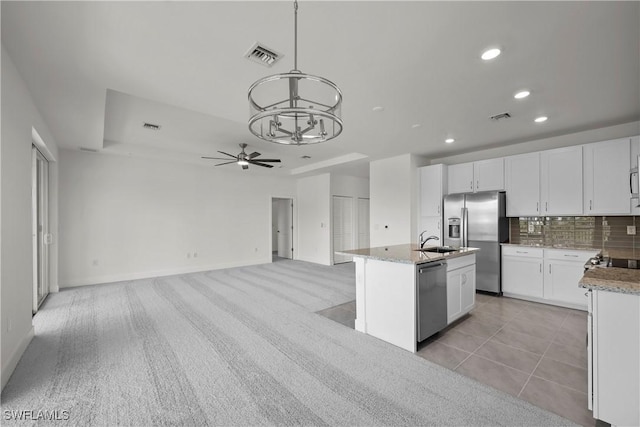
[111, 278]
[11, 364]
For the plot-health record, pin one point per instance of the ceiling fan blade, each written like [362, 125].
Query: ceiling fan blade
[214, 158]
[252, 155]
[227, 163]
[230, 155]
[268, 160]
[245, 167]
[260, 164]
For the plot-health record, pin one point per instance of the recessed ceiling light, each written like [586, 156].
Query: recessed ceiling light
[522, 94]
[541, 119]
[490, 54]
[449, 140]
[376, 109]
[415, 126]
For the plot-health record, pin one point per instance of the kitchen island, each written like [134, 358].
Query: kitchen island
[613, 350]
[387, 293]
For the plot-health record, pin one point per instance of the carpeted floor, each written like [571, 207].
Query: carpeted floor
[236, 347]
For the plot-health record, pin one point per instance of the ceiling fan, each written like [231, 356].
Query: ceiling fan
[244, 159]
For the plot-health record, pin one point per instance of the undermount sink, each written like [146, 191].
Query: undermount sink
[438, 249]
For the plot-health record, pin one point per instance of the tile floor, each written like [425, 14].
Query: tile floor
[534, 351]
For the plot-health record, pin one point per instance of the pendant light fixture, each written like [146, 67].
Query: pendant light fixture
[295, 108]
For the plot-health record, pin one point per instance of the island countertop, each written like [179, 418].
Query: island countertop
[612, 279]
[406, 254]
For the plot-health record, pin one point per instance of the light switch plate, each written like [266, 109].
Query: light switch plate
[631, 230]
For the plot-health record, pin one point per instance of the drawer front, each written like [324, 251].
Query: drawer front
[525, 251]
[570, 254]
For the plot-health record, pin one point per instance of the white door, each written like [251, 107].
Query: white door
[285, 228]
[363, 223]
[343, 230]
[40, 227]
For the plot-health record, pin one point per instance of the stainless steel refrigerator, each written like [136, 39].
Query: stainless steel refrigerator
[479, 220]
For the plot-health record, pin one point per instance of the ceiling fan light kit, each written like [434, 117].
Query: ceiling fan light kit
[295, 108]
[243, 159]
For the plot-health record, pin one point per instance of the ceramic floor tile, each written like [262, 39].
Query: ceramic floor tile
[562, 373]
[442, 354]
[510, 356]
[570, 354]
[490, 316]
[461, 340]
[523, 326]
[561, 400]
[504, 309]
[477, 328]
[551, 320]
[493, 374]
[570, 337]
[522, 341]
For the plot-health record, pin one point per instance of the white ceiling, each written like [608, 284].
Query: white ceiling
[98, 70]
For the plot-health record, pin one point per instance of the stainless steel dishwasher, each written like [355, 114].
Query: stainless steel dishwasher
[431, 310]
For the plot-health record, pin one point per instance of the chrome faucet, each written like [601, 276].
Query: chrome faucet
[422, 242]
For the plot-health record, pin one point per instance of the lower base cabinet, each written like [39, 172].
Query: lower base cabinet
[461, 287]
[545, 275]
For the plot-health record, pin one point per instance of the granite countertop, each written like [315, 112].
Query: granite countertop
[612, 279]
[406, 254]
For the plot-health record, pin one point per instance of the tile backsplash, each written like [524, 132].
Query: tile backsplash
[600, 232]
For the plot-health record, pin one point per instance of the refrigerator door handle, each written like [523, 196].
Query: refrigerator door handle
[465, 229]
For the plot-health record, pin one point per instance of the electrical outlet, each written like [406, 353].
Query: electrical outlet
[531, 228]
[631, 230]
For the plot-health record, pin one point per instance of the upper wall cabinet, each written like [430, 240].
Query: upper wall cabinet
[561, 181]
[484, 175]
[523, 184]
[606, 177]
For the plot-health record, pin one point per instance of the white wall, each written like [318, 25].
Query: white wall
[349, 186]
[19, 118]
[314, 215]
[123, 218]
[393, 194]
[577, 138]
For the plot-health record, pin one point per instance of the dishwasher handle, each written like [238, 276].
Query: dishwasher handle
[431, 265]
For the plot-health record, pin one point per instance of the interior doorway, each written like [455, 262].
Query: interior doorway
[282, 228]
[40, 226]
[343, 228]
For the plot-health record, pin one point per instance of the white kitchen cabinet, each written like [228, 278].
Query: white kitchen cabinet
[432, 225]
[483, 175]
[433, 183]
[489, 174]
[614, 360]
[606, 177]
[460, 178]
[522, 176]
[545, 275]
[461, 287]
[561, 181]
[522, 271]
[635, 152]
[563, 271]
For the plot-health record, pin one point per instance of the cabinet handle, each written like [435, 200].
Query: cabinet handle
[572, 256]
[478, 185]
[522, 252]
[590, 205]
[464, 279]
[471, 185]
[537, 206]
[540, 268]
[438, 208]
[549, 268]
[546, 206]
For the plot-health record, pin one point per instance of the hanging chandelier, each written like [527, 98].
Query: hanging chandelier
[295, 108]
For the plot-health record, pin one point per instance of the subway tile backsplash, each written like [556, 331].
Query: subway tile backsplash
[600, 232]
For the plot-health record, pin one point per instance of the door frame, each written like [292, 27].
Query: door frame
[41, 259]
[294, 224]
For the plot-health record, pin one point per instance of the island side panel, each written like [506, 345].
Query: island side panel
[389, 302]
[361, 319]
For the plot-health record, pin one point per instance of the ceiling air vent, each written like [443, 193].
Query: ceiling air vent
[151, 126]
[88, 150]
[500, 116]
[262, 55]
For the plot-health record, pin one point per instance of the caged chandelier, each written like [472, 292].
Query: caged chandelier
[295, 108]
